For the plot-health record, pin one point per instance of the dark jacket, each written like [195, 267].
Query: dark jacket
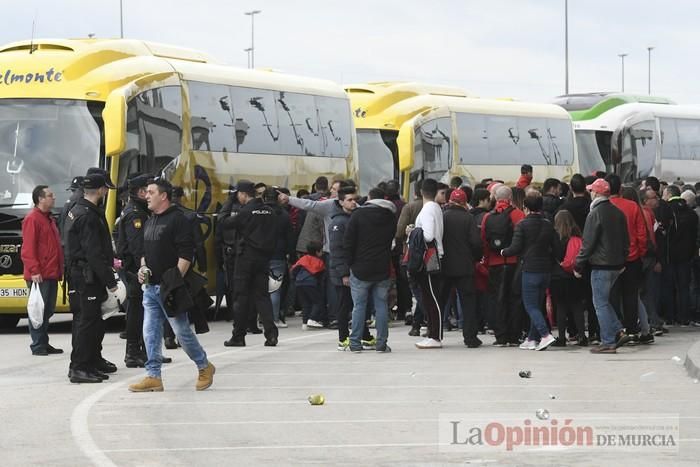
[307, 271]
[256, 227]
[90, 246]
[167, 237]
[368, 238]
[195, 220]
[682, 233]
[605, 238]
[284, 243]
[550, 205]
[478, 214]
[339, 256]
[579, 207]
[535, 240]
[130, 238]
[407, 216]
[174, 293]
[461, 241]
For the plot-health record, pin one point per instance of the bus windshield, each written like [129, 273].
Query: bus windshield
[375, 151]
[45, 142]
[593, 150]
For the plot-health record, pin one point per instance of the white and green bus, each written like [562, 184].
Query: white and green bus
[635, 136]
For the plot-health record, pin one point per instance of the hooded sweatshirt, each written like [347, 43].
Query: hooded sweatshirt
[368, 238]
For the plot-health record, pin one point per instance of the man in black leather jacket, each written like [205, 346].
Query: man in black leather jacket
[604, 250]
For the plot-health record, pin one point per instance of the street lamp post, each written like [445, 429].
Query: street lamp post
[252, 14]
[247, 51]
[121, 19]
[566, 47]
[622, 57]
[649, 49]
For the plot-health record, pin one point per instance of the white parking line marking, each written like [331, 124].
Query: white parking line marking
[79, 418]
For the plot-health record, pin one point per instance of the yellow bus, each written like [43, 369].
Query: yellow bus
[139, 107]
[411, 131]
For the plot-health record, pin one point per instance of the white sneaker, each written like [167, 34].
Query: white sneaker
[546, 342]
[314, 324]
[281, 324]
[304, 327]
[528, 345]
[424, 331]
[429, 344]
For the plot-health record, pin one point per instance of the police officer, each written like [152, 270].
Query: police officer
[130, 251]
[64, 225]
[255, 226]
[91, 259]
[226, 238]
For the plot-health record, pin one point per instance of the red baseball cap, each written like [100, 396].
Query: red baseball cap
[458, 196]
[600, 186]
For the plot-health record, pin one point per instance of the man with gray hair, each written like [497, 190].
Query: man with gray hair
[504, 316]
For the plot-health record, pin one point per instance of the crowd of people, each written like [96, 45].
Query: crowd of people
[603, 264]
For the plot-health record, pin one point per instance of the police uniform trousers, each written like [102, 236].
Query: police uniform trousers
[251, 296]
[90, 328]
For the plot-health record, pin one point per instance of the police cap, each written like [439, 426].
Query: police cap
[103, 172]
[95, 181]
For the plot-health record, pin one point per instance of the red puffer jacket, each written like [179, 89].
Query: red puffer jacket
[41, 246]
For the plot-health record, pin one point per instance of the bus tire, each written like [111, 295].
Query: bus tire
[8, 321]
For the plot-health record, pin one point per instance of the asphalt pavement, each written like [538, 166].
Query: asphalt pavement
[380, 409]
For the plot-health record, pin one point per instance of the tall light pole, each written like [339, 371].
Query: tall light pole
[121, 19]
[252, 14]
[247, 51]
[622, 58]
[649, 49]
[566, 47]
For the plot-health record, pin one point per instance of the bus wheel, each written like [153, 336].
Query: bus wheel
[8, 321]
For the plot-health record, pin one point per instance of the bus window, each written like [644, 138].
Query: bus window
[376, 159]
[298, 124]
[503, 139]
[638, 151]
[336, 128]
[473, 139]
[589, 153]
[535, 143]
[560, 135]
[256, 125]
[154, 119]
[435, 139]
[689, 139]
[670, 149]
[211, 119]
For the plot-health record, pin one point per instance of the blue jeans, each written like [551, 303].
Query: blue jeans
[361, 291]
[533, 292]
[153, 317]
[40, 337]
[602, 281]
[278, 267]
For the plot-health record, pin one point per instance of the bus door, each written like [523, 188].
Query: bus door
[634, 154]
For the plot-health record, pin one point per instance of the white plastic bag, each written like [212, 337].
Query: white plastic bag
[110, 306]
[35, 306]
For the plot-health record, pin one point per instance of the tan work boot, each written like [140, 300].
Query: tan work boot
[148, 384]
[206, 377]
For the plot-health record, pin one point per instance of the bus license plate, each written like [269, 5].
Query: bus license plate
[14, 292]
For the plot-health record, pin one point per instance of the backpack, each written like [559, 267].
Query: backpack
[413, 259]
[499, 229]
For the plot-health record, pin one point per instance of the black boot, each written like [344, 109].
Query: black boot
[134, 357]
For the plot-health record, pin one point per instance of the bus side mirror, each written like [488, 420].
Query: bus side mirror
[114, 117]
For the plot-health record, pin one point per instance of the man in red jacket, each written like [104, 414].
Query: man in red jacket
[505, 315]
[626, 288]
[43, 262]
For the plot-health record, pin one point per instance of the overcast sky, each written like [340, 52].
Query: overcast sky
[491, 48]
